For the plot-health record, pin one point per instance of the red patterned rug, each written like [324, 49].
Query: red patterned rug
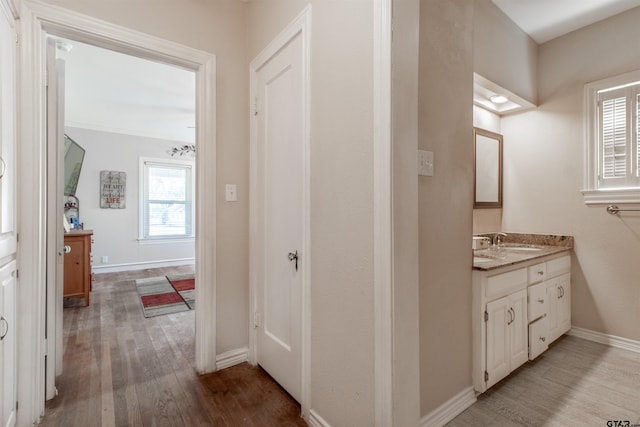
[159, 295]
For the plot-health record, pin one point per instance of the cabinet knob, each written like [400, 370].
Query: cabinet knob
[540, 273]
[541, 301]
[543, 339]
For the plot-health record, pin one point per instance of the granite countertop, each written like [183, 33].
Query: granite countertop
[519, 247]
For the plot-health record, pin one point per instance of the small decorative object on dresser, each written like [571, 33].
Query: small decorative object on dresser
[77, 264]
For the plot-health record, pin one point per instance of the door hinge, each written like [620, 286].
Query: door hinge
[16, 406]
[486, 316]
[255, 106]
[17, 237]
[256, 319]
[17, 274]
[486, 376]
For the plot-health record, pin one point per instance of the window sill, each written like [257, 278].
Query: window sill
[604, 197]
[165, 240]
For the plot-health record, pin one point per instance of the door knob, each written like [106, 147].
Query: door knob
[67, 249]
[293, 256]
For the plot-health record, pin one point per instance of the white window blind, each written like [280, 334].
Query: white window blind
[167, 208]
[618, 154]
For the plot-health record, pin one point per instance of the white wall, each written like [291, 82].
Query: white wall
[544, 169]
[116, 230]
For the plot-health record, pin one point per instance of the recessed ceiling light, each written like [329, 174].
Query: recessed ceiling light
[498, 99]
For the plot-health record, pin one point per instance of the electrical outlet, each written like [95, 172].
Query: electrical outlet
[105, 259]
[231, 193]
[425, 163]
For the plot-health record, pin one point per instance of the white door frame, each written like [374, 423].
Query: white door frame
[300, 25]
[37, 21]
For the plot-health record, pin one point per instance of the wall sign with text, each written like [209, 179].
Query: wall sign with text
[112, 189]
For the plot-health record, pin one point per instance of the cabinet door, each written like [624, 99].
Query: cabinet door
[564, 304]
[552, 309]
[498, 349]
[8, 331]
[518, 329]
[74, 279]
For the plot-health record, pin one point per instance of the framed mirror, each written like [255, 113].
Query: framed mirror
[488, 169]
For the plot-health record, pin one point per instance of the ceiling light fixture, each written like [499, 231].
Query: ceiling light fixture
[498, 99]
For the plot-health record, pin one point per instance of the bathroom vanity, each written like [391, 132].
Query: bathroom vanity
[521, 302]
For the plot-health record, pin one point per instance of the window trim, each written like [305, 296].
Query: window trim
[591, 192]
[142, 239]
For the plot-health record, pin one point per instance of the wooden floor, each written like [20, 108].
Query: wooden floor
[121, 369]
[574, 383]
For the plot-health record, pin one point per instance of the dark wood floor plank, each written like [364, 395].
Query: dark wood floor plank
[121, 369]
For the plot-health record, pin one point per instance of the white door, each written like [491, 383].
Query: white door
[278, 296]
[8, 313]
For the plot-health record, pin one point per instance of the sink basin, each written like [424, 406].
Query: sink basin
[521, 248]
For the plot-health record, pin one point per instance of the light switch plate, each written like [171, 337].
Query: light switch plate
[230, 193]
[425, 163]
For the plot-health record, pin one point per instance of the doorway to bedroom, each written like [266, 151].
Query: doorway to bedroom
[129, 191]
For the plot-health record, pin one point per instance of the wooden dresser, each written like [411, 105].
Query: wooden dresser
[77, 264]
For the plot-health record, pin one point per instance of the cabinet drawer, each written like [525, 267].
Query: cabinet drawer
[538, 342]
[537, 306]
[558, 266]
[537, 273]
[505, 283]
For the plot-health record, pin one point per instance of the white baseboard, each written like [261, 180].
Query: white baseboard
[611, 340]
[449, 409]
[316, 420]
[232, 357]
[132, 266]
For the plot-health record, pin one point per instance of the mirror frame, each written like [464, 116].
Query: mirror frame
[492, 135]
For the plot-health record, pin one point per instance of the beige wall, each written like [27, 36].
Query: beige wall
[503, 53]
[406, 353]
[544, 175]
[342, 370]
[219, 27]
[446, 199]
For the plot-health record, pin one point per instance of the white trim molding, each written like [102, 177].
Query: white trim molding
[316, 420]
[142, 265]
[449, 409]
[232, 357]
[38, 21]
[300, 25]
[382, 215]
[610, 340]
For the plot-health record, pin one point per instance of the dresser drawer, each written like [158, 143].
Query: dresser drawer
[505, 283]
[538, 342]
[537, 273]
[537, 306]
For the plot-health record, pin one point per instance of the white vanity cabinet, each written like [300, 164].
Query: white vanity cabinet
[517, 310]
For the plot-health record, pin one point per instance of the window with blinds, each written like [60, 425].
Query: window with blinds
[617, 132]
[612, 140]
[167, 199]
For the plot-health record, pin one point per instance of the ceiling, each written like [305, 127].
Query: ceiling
[545, 20]
[114, 92]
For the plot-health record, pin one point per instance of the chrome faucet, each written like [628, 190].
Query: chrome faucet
[496, 238]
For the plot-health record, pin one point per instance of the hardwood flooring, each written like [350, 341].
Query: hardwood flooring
[121, 369]
[575, 383]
